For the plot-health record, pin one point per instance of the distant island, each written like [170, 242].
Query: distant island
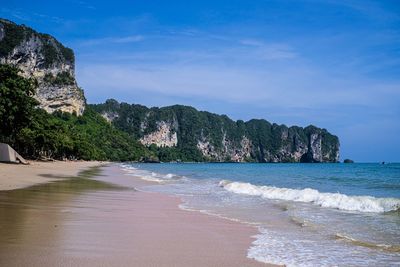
[45, 115]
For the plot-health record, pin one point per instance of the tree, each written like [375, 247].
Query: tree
[16, 102]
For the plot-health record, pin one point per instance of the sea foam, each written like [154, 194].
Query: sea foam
[150, 176]
[326, 200]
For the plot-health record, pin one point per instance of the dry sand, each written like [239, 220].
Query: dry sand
[83, 223]
[14, 176]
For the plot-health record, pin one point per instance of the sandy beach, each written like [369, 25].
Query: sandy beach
[89, 222]
[14, 176]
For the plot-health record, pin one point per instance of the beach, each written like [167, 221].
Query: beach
[306, 214]
[107, 220]
[14, 176]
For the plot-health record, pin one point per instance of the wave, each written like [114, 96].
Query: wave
[299, 222]
[308, 195]
[150, 176]
[385, 247]
[169, 176]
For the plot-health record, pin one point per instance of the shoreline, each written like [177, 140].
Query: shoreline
[17, 176]
[116, 227]
[238, 236]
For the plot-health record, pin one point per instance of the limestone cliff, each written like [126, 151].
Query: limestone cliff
[43, 57]
[183, 133]
[164, 136]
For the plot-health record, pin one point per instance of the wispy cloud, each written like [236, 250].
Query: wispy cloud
[112, 40]
[86, 5]
[269, 51]
[285, 87]
[329, 62]
[251, 42]
[15, 13]
[369, 8]
[23, 15]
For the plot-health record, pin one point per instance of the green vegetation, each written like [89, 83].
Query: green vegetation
[329, 142]
[89, 137]
[49, 53]
[16, 102]
[53, 51]
[35, 133]
[62, 78]
[192, 126]
[13, 36]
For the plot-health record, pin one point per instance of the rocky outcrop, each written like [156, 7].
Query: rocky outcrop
[41, 56]
[164, 136]
[109, 116]
[228, 152]
[203, 136]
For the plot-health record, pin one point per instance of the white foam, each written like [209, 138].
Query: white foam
[186, 208]
[326, 200]
[291, 251]
[149, 176]
[169, 176]
[128, 168]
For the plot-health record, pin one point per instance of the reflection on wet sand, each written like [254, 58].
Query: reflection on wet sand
[87, 222]
[23, 229]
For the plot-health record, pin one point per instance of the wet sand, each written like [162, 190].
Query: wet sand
[14, 176]
[86, 222]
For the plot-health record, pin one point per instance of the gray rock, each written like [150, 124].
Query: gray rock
[40, 56]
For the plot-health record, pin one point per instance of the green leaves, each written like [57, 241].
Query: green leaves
[52, 50]
[16, 102]
[88, 137]
[269, 142]
[14, 35]
[62, 78]
[35, 133]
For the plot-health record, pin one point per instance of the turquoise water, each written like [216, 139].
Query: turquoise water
[307, 214]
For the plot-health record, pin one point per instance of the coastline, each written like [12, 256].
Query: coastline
[17, 176]
[109, 225]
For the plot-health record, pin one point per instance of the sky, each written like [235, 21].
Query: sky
[331, 63]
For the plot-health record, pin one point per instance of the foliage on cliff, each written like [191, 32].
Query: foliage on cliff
[62, 78]
[269, 142]
[88, 137]
[52, 64]
[36, 133]
[52, 50]
[13, 36]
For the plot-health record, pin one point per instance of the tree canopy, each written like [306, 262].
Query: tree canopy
[36, 133]
[16, 102]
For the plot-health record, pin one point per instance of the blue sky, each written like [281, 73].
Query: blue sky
[332, 63]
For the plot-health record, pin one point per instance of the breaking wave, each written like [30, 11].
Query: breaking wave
[150, 176]
[385, 247]
[308, 195]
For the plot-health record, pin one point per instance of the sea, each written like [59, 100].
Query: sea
[306, 214]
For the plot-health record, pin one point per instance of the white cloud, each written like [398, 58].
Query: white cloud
[269, 51]
[115, 40]
[251, 42]
[285, 88]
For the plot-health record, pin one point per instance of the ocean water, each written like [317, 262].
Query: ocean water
[307, 214]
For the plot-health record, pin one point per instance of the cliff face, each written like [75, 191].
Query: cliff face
[43, 57]
[188, 134]
[164, 136]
